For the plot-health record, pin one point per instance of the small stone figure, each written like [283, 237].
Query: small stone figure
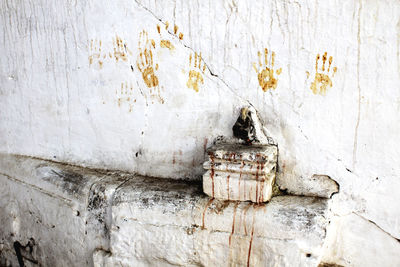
[250, 129]
[244, 127]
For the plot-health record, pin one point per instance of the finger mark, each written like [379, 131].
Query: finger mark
[330, 63]
[324, 60]
[266, 56]
[273, 59]
[316, 63]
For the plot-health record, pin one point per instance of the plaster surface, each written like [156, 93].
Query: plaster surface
[80, 85]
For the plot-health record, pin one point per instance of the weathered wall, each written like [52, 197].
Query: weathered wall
[84, 82]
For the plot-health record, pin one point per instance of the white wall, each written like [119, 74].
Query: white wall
[59, 90]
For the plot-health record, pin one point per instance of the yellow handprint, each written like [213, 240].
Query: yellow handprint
[322, 79]
[265, 76]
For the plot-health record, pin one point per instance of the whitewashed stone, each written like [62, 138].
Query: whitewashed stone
[159, 222]
[347, 232]
[64, 209]
[260, 128]
[263, 154]
[116, 219]
[239, 166]
[240, 172]
[316, 185]
[236, 186]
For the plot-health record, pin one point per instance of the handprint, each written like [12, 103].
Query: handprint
[165, 43]
[120, 49]
[145, 62]
[322, 79]
[126, 95]
[195, 74]
[265, 75]
[95, 53]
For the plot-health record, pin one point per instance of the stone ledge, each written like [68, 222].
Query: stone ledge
[64, 208]
[130, 220]
[190, 229]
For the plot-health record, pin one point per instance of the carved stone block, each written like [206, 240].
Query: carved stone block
[240, 172]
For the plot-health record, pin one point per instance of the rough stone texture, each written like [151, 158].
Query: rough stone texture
[240, 172]
[116, 219]
[265, 154]
[317, 186]
[56, 205]
[60, 98]
[350, 230]
[175, 226]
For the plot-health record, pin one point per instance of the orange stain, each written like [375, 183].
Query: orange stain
[322, 80]
[145, 61]
[195, 78]
[265, 72]
[167, 44]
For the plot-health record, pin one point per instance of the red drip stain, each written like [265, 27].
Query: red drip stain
[233, 223]
[204, 212]
[231, 156]
[259, 156]
[262, 185]
[173, 158]
[205, 144]
[261, 199]
[212, 172]
[240, 176]
[227, 182]
[251, 239]
[244, 215]
[257, 182]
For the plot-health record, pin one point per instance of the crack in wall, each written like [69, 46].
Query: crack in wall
[374, 223]
[358, 86]
[68, 202]
[367, 220]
